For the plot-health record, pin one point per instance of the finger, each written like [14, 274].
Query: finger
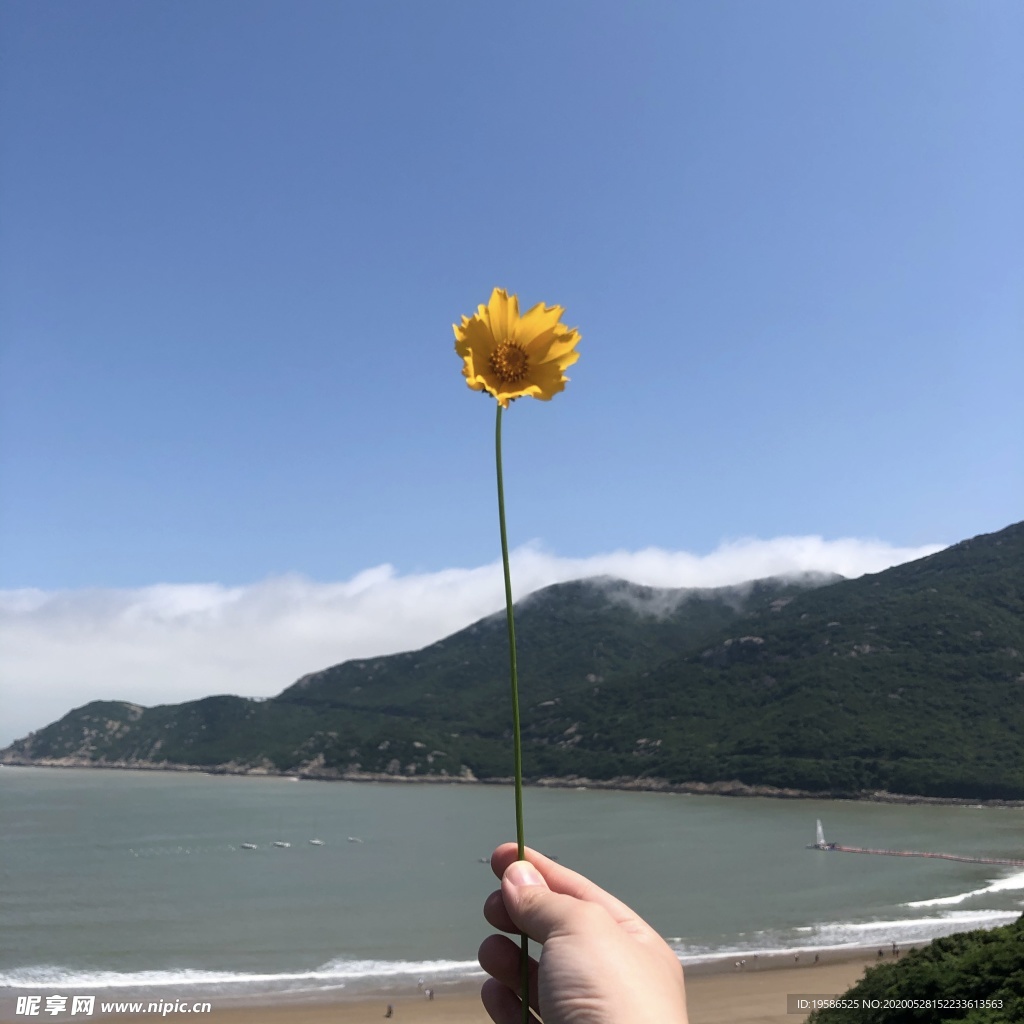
[499, 957]
[496, 913]
[562, 880]
[502, 1004]
[543, 914]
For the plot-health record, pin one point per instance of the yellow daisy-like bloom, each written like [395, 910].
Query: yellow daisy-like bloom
[509, 355]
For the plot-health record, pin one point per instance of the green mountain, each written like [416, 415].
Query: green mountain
[909, 681]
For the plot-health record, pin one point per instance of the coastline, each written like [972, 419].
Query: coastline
[624, 784]
[718, 992]
[265, 959]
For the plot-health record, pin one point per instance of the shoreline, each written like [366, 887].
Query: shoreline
[716, 980]
[623, 784]
[718, 992]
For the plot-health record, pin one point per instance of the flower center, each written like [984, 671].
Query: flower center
[509, 363]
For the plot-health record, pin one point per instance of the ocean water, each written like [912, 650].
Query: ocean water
[137, 882]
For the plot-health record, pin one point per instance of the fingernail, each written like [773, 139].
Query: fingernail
[522, 872]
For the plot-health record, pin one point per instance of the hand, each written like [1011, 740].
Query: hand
[601, 963]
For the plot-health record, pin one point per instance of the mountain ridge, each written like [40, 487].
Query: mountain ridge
[905, 681]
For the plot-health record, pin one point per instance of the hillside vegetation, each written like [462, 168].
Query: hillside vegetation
[910, 680]
[976, 977]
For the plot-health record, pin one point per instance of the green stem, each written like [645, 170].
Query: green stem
[517, 742]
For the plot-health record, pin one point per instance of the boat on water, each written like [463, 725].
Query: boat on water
[249, 846]
[316, 842]
[282, 845]
[819, 840]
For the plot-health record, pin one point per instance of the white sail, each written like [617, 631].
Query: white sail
[820, 837]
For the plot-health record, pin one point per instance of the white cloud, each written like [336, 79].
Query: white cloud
[167, 643]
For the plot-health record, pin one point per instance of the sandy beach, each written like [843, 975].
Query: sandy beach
[719, 992]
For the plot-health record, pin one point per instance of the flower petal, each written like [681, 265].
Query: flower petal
[546, 381]
[537, 320]
[474, 343]
[502, 314]
[543, 336]
[556, 347]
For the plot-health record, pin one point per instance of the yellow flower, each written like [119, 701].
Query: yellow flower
[509, 355]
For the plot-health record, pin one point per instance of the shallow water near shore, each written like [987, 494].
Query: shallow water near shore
[138, 881]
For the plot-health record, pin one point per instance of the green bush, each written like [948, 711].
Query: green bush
[972, 967]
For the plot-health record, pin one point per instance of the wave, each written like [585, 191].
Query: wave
[352, 975]
[846, 935]
[1007, 884]
[358, 977]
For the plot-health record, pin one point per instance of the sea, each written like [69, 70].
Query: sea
[138, 884]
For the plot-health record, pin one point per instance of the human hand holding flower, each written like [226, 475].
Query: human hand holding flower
[601, 964]
[511, 356]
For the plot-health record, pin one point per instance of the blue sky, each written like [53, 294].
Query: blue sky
[236, 235]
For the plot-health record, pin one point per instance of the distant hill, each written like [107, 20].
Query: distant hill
[909, 681]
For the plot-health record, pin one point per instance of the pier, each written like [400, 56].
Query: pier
[919, 853]
[820, 844]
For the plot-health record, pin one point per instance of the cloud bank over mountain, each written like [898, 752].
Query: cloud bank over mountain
[172, 642]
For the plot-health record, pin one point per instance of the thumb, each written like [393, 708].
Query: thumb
[534, 908]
